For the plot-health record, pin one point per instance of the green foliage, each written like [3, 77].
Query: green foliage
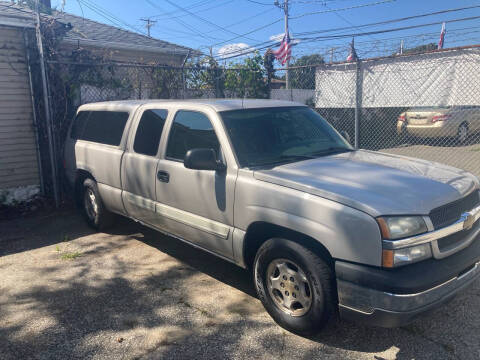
[205, 74]
[71, 256]
[166, 83]
[248, 79]
[420, 49]
[268, 59]
[303, 77]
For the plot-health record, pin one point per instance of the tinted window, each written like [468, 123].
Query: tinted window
[190, 130]
[105, 127]
[79, 124]
[149, 131]
[274, 135]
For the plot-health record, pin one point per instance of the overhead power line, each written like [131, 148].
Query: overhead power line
[182, 23]
[328, 37]
[207, 21]
[342, 9]
[109, 16]
[390, 21]
[276, 21]
[270, 43]
[167, 17]
[341, 36]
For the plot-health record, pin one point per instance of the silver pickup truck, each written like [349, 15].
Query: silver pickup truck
[271, 186]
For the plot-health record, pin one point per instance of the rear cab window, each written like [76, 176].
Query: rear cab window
[79, 124]
[149, 131]
[103, 127]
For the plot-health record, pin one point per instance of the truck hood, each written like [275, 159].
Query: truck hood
[376, 183]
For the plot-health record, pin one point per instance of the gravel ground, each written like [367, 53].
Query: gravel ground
[66, 292]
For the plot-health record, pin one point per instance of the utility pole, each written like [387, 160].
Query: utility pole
[332, 50]
[284, 7]
[46, 105]
[149, 24]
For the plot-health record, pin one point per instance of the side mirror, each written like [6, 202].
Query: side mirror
[202, 159]
[345, 136]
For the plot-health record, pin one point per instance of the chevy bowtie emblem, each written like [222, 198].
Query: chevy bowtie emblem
[468, 223]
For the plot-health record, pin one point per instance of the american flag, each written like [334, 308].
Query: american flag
[352, 56]
[442, 37]
[283, 53]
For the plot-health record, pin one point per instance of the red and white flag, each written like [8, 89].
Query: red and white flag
[442, 37]
[283, 53]
[352, 55]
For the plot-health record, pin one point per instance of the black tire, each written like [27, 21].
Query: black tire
[101, 218]
[319, 275]
[462, 134]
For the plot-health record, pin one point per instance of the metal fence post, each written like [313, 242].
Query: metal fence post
[358, 101]
[46, 100]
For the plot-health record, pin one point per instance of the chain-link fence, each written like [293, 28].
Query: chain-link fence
[423, 105]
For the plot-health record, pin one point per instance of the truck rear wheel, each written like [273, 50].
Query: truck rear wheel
[295, 286]
[96, 214]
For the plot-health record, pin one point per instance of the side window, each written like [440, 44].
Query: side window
[79, 124]
[105, 127]
[149, 131]
[190, 130]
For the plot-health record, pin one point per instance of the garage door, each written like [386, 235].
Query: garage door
[18, 155]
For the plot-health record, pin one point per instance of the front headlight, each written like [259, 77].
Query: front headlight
[404, 256]
[397, 227]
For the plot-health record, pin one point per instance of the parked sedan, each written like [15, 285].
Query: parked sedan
[455, 122]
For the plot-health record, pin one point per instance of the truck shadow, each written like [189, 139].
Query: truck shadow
[86, 303]
[413, 341]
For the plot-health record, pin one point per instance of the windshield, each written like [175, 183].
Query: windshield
[269, 136]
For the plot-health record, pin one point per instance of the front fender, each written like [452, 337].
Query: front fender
[348, 234]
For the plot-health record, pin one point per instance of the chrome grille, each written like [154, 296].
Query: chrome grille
[447, 214]
[451, 241]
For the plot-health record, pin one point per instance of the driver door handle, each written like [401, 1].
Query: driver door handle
[163, 176]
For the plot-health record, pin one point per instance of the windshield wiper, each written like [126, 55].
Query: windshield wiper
[286, 158]
[331, 150]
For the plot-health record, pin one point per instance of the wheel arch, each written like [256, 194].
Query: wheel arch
[260, 231]
[80, 177]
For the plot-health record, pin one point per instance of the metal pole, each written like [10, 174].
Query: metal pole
[285, 8]
[358, 102]
[46, 100]
[34, 112]
[184, 80]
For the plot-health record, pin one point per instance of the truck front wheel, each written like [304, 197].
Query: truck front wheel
[295, 286]
[95, 212]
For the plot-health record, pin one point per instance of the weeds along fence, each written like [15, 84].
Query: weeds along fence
[423, 105]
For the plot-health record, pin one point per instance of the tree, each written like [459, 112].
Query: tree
[248, 79]
[268, 59]
[205, 74]
[302, 72]
[419, 49]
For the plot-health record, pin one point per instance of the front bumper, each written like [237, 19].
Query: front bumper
[394, 297]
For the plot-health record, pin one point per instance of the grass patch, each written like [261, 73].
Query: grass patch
[71, 256]
[476, 149]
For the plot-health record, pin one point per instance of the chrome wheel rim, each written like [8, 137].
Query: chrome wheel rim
[289, 287]
[91, 206]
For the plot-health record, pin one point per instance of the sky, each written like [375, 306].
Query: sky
[220, 24]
